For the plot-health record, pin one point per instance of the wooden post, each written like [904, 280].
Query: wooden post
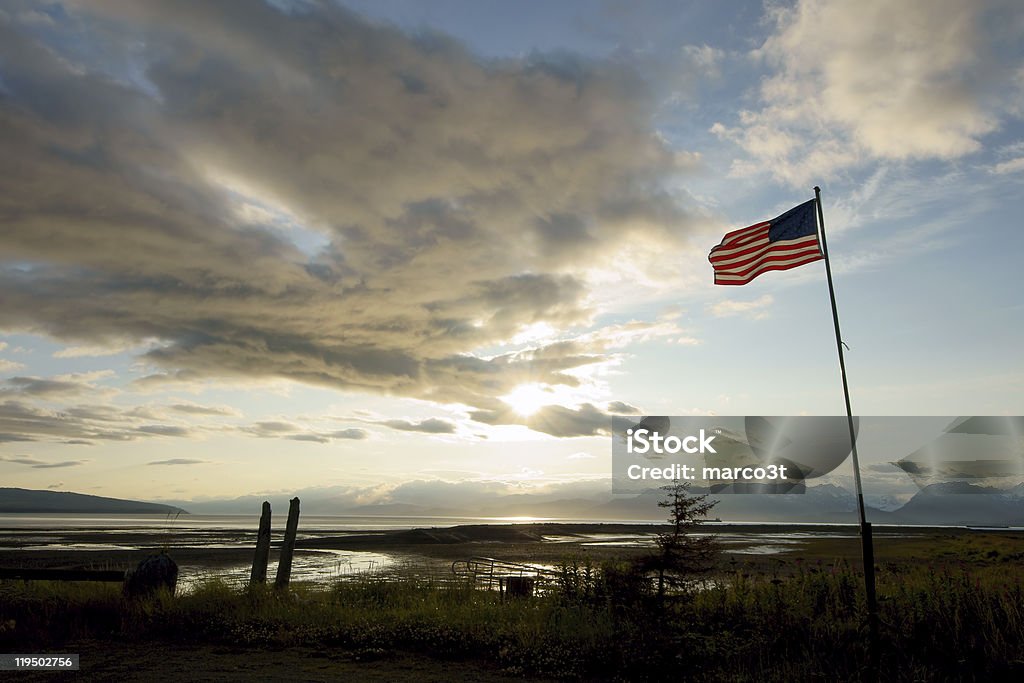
[259, 563]
[284, 564]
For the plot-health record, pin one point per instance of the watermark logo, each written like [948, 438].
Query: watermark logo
[751, 454]
[642, 440]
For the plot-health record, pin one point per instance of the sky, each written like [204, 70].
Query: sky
[409, 251]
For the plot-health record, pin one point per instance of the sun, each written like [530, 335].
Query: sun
[527, 399]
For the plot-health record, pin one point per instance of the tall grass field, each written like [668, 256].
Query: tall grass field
[590, 623]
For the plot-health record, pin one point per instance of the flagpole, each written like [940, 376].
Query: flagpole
[865, 527]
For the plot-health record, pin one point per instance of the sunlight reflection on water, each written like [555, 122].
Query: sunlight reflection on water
[318, 566]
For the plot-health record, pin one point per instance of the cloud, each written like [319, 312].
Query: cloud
[399, 189]
[554, 420]
[79, 424]
[196, 409]
[270, 428]
[42, 464]
[165, 430]
[756, 309]
[433, 425]
[314, 438]
[42, 387]
[57, 387]
[581, 456]
[857, 80]
[622, 408]
[1009, 166]
[95, 351]
[64, 463]
[280, 429]
[10, 365]
[354, 434]
[179, 461]
[21, 460]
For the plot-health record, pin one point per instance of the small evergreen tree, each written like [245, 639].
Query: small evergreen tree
[681, 554]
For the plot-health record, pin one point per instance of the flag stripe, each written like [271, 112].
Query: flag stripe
[780, 247]
[785, 242]
[748, 248]
[742, 232]
[735, 279]
[745, 239]
[806, 256]
[779, 258]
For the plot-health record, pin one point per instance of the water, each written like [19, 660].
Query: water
[318, 566]
[103, 532]
[68, 522]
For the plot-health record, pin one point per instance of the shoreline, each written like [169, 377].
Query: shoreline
[548, 543]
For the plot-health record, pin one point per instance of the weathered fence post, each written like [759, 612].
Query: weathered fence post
[284, 564]
[259, 563]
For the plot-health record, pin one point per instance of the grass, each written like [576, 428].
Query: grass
[940, 622]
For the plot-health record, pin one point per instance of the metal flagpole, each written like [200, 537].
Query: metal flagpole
[867, 547]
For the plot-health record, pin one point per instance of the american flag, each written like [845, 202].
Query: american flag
[782, 243]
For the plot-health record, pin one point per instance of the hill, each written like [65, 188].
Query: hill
[29, 501]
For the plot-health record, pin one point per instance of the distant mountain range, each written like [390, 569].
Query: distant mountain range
[963, 503]
[956, 504]
[938, 504]
[29, 501]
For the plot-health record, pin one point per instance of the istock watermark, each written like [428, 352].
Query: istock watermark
[650, 441]
[752, 454]
[688, 473]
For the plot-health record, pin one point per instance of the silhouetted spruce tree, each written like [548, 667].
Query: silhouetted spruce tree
[680, 554]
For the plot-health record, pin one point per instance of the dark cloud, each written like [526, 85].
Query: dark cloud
[42, 464]
[272, 428]
[436, 202]
[621, 408]
[21, 460]
[80, 424]
[99, 413]
[179, 461]
[63, 463]
[196, 409]
[20, 421]
[586, 420]
[353, 434]
[314, 438]
[433, 425]
[278, 429]
[13, 438]
[39, 387]
[164, 430]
